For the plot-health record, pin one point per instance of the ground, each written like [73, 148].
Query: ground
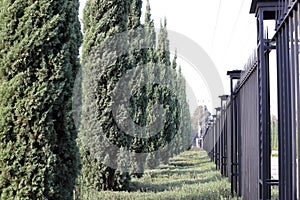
[190, 175]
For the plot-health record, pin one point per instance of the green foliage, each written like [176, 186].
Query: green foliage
[200, 116]
[274, 193]
[185, 132]
[156, 95]
[153, 157]
[38, 63]
[135, 14]
[168, 95]
[101, 72]
[274, 133]
[139, 99]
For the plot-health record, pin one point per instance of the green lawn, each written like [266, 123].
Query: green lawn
[190, 175]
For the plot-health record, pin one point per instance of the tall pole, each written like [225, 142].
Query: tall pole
[223, 143]
[234, 75]
[218, 138]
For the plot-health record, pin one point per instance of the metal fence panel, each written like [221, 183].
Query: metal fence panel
[249, 138]
[241, 133]
[228, 130]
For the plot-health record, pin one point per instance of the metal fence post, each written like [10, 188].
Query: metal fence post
[218, 138]
[223, 145]
[234, 75]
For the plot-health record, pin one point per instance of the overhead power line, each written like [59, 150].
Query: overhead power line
[235, 24]
[216, 24]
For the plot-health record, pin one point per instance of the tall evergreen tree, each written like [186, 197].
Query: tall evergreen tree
[163, 51]
[153, 70]
[137, 60]
[169, 94]
[104, 64]
[38, 63]
[185, 125]
[135, 14]
[183, 138]
[175, 145]
[150, 35]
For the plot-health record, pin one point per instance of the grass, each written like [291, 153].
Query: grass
[190, 175]
[274, 154]
[274, 193]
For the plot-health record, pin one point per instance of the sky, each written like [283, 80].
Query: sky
[224, 29]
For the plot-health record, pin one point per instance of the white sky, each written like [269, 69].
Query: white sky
[223, 28]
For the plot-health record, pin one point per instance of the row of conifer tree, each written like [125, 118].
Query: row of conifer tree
[90, 123]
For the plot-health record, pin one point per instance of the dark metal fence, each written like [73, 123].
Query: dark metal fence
[248, 137]
[287, 43]
[238, 139]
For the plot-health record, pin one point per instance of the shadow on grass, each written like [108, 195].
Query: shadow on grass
[160, 187]
[182, 164]
[181, 172]
[185, 163]
[169, 186]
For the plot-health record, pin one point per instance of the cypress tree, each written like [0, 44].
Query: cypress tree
[150, 35]
[153, 70]
[137, 60]
[175, 145]
[163, 51]
[185, 125]
[139, 101]
[104, 63]
[182, 139]
[38, 63]
[135, 14]
[169, 94]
